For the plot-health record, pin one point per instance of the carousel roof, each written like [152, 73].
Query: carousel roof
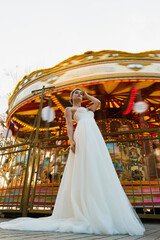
[108, 75]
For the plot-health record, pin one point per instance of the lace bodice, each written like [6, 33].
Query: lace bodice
[83, 113]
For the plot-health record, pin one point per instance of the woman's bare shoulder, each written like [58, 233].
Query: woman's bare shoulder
[69, 110]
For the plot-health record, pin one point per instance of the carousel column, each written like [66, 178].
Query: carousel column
[31, 162]
[141, 107]
[158, 158]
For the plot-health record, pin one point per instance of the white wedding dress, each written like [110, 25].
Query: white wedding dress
[90, 197]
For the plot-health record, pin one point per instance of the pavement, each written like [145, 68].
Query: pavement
[152, 233]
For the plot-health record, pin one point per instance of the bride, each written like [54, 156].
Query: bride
[90, 197]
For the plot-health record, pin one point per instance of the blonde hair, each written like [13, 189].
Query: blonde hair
[71, 94]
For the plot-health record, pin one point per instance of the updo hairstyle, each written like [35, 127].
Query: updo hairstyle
[71, 94]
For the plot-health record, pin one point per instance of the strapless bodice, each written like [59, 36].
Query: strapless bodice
[83, 113]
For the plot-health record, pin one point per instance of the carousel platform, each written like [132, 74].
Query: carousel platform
[142, 195]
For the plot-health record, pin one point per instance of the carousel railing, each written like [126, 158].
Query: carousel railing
[32, 171]
[14, 161]
[138, 168]
[48, 169]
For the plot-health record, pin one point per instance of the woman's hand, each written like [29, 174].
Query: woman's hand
[85, 95]
[73, 146]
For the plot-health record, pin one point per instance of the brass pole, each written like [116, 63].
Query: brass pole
[29, 170]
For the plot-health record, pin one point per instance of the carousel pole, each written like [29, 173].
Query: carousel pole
[29, 169]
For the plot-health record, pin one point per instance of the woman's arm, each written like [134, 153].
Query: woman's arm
[68, 116]
[96, 101]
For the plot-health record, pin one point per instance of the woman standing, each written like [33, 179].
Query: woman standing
[90, 197]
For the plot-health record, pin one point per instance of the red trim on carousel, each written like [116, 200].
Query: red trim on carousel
[131, 100]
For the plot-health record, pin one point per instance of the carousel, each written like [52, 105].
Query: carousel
[128, 86]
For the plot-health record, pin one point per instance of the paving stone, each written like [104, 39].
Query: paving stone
[152, 233]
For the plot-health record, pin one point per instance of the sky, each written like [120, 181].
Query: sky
[37, 34]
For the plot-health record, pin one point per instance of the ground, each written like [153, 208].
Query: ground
[152, 233]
